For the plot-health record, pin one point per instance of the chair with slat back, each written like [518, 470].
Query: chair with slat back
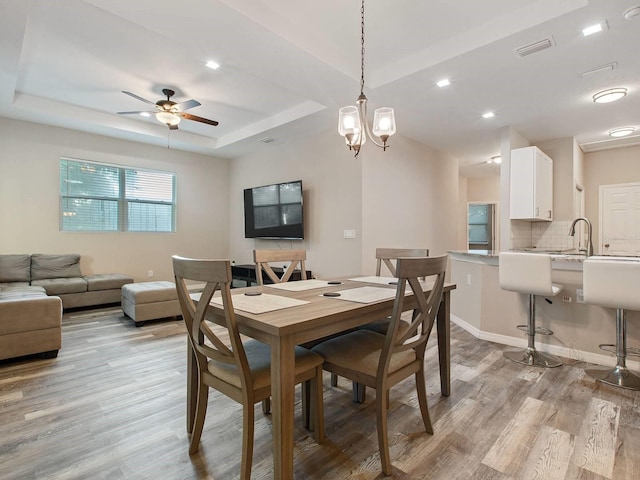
[382, 361]
[386, 255]
[239, 370]
[263, 258]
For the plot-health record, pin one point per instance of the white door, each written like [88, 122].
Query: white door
[620, 219]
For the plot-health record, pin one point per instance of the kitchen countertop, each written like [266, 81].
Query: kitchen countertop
[567, 260]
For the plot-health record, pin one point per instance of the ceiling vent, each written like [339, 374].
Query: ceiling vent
[610, 144]
[535, 47]
[266, 140]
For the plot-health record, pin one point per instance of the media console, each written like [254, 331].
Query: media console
[247, 273]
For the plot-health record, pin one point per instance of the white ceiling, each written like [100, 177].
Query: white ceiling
[288, 65]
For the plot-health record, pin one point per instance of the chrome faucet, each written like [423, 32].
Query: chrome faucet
[572, 231]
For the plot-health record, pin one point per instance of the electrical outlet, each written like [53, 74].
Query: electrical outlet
[579, 296]
[566, 298]
[150, 273]
[468, 279]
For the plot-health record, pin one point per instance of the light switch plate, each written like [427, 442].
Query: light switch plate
[349, 234]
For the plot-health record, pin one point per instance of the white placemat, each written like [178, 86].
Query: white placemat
[262, 303]
[366, 294]
[299, 286]
[375, 279]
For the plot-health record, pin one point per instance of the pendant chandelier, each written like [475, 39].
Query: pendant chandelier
[352, 120]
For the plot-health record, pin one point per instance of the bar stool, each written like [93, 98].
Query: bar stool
[529, 273]
[614, 284]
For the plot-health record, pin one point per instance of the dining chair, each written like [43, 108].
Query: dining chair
[236, 368]
[387, 257]
[263, 258]
[381, 361]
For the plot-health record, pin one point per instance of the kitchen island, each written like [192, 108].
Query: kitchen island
[486, 311]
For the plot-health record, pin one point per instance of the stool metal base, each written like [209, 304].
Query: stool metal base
[618, 377]
[533, 358]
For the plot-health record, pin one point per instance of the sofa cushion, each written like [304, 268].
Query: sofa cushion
[55, 266]
[15, 292]
[106, 281]
[13, 284]
[59, 286]
[15, 268]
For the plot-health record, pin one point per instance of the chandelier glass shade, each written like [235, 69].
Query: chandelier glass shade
[352, 120]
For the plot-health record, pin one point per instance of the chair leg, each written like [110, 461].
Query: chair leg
[334, 380]
[306, 404]
[247, 440]
[421, 390]
[318, 405]
[383, 440]
[266, 406]
[359, 392]
[201, 412]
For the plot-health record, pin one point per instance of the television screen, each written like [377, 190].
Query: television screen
[274, 211]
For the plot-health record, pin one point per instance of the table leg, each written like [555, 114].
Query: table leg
[282, 400]
[444, 347]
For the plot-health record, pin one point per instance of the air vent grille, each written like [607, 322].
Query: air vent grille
[535, 47]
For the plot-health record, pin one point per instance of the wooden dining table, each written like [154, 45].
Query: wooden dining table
[285, 328]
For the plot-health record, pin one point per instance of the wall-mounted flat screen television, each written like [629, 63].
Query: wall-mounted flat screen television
[274, 211]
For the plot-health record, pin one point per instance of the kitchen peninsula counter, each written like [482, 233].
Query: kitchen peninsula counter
[486, 311]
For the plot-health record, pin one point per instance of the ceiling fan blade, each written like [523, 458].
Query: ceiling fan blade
[138, 97]
[188, 116]
[182, 106]
[173, 127]
[137, 112]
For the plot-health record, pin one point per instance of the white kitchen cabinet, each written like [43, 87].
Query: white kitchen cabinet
[531, 185]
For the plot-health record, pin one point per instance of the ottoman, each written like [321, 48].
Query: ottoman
[150, 301]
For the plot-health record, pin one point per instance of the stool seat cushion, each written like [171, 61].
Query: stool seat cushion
[528, 273]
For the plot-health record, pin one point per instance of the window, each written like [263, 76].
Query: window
[98, 197]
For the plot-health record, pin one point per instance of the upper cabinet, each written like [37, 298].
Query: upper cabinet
[531, 185]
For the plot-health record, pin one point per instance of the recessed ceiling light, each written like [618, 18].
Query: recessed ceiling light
[591, 29]
[610, 95]
[145, 114]
[621, 132]
[444, 82]
[488, 115]
[212, 65]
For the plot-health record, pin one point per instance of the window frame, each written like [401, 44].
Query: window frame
[123, 223]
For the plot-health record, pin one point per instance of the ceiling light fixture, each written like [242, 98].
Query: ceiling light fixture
[610, 95]
[622, 131]
[497, 159]
[212, 65]
[352, 120]
[168, 118]
[444, 82]
[591, 29]
[488, 115]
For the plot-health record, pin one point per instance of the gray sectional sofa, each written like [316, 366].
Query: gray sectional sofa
[33, 291]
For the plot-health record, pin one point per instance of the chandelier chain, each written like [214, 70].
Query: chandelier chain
[362, 49]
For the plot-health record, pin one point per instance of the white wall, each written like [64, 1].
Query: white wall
[29, 196]
[332, 189]
[410, 200]
[406, 196]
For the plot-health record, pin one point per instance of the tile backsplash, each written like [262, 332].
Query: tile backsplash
[543, 235]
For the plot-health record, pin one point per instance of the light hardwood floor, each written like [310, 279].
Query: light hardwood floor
[112, 406]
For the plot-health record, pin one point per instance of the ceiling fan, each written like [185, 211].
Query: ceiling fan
[169, 112]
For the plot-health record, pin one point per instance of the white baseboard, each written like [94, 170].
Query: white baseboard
[572, 353]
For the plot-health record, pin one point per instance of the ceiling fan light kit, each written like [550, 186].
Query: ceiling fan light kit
[352, 120]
